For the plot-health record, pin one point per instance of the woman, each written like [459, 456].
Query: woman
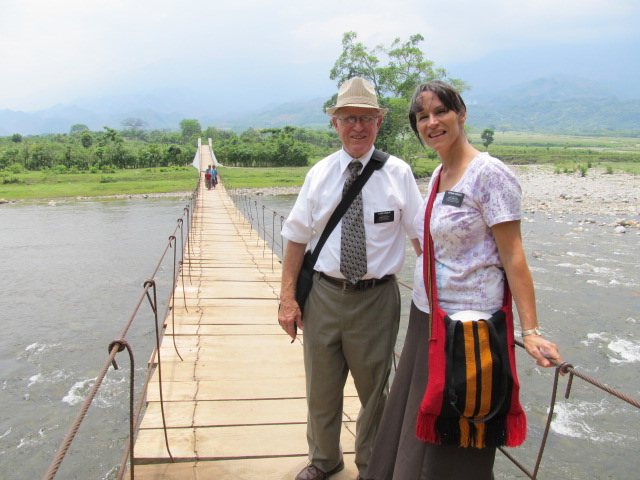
[476, 235]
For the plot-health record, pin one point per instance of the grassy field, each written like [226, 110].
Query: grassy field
[237, 177]
[566, 153]
[520, 139]
[31, 185]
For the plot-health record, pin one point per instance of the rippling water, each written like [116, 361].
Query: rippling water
[71, 275]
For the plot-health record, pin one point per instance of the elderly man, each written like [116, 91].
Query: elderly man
[350, 319]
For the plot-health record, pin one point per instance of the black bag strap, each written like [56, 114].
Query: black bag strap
[377, 161]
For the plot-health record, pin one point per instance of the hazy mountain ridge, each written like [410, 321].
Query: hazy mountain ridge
[557, 105]
[551, 104]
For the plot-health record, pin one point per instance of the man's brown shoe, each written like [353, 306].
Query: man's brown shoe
[311, 472]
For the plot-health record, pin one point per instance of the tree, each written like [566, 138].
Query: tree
[190, 127]
[133, 123]
[216, 134]
[16, 138]
[487, 137]
[112, 135]
[77, 128]
[270, 147]
[395, 80]
[86, 139]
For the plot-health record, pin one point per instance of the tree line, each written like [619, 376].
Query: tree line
[135, 147]
[84, 150]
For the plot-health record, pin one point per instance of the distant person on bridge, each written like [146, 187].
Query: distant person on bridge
[208, 178]
[352, 314]
[214, 177]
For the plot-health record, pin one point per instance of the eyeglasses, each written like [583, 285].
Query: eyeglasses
[365, 120]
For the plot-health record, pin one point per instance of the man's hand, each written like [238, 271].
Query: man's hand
[289, 316]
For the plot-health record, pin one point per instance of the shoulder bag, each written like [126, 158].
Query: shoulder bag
[472, 395]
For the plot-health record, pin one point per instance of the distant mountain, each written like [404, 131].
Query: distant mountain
[158, 114]
[60, 118]
[308, 114]
[557, 104]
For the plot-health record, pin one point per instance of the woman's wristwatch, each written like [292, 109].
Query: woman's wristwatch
[531, 331]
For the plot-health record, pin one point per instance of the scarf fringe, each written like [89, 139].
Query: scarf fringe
[426, 428]
[516, 426]
[509, 431]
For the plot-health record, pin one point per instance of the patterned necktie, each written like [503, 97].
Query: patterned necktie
[353, 248]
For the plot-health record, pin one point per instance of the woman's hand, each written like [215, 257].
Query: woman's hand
[542, 350]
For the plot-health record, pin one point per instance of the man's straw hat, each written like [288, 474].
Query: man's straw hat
[357, 92]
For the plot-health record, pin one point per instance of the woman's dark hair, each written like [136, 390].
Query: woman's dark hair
[448, 95]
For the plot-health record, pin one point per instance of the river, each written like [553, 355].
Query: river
[72, 273]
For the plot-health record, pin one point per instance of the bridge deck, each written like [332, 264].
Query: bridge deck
[235, 404]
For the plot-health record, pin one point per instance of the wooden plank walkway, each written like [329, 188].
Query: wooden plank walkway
[235, 404]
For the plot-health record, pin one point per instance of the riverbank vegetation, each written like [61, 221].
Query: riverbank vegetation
[132, 160]
[50, 166]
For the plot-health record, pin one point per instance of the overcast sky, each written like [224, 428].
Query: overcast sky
[262, 51]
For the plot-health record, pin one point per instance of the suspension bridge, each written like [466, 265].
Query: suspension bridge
[224, 396]
[232, 384]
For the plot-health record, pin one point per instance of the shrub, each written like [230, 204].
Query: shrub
[421, 173]
[108, 180]
[16, 168]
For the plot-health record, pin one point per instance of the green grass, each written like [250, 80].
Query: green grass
[32, 185]
[628, 167]
[522, 139]
[238, 177]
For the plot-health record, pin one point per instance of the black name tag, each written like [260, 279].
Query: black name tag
[453, 198]
[383, 217]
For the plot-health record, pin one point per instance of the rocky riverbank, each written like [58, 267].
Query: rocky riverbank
[597, 193]
[55, 201]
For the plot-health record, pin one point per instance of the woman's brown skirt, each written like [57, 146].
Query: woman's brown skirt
[397, 452]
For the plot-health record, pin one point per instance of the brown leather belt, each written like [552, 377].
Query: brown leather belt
[358, 286]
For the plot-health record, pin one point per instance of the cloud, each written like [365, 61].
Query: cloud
[54, 51]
